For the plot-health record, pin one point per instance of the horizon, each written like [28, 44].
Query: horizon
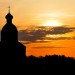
[45, 27]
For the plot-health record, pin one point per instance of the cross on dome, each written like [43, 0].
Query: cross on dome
[9, 8]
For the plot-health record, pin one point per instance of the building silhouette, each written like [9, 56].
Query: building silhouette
[11, 50]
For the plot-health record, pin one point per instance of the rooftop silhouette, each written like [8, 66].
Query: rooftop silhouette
[12, 51]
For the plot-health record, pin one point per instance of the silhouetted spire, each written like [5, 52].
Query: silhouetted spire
[9, 17]
[9, 8]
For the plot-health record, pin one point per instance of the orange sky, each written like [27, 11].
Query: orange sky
[50, 48]
[28, 14]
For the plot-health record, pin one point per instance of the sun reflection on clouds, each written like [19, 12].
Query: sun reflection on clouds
[53, 36]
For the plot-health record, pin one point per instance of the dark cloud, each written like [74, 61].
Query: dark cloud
[30, 36]
[39, 33]
[61, 30]
[55, 30]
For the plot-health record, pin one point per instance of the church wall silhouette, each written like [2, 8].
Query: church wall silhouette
[11, 50]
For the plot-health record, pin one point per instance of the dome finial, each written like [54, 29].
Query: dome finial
[9, 17]
[9, 9]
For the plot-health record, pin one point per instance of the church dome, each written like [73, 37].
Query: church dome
[9, 28]
[9, 32]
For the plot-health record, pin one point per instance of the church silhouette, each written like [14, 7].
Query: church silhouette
[11, 50]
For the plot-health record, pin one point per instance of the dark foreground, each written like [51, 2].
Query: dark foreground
[50, 60]
[51, 64]
[48, 64]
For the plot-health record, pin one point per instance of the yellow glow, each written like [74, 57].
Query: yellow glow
[52, 23]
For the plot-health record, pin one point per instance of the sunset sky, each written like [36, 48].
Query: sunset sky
[46, 27]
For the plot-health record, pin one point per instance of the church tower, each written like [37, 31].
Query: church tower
[12, 51]
[9, 32]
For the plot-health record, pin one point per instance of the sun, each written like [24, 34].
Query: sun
[52, 23]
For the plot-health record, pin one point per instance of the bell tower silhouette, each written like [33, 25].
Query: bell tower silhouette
[12, 51]
[9, 32]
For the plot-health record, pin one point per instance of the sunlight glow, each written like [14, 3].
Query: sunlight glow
[52, 23]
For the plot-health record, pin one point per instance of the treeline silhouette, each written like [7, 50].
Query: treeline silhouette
[49, 60]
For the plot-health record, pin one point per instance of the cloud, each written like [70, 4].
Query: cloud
[60, 30]
[39, 33]
[60, 38]
[30, 36]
